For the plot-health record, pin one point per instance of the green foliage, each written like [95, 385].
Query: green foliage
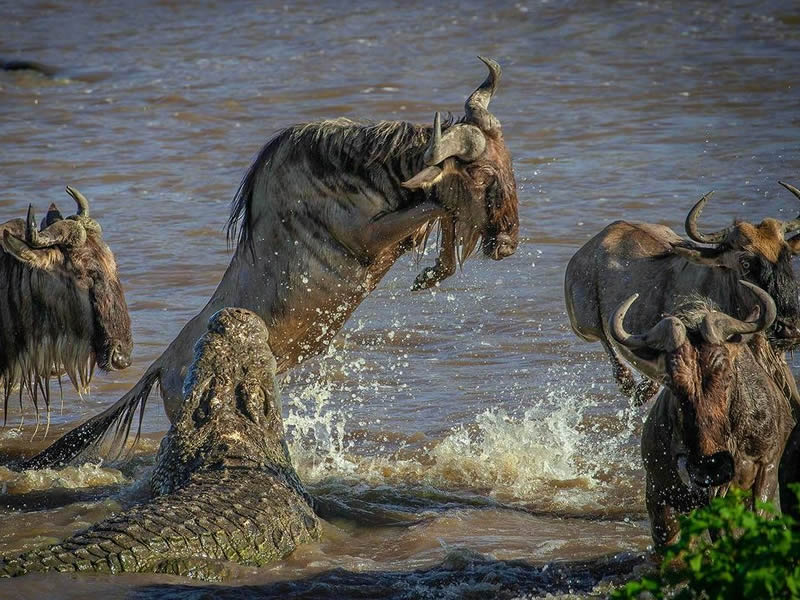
[750, 557]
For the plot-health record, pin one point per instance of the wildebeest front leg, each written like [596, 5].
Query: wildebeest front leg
[789, 473]
[664, 526]
[389, 229]
[446, 261]
[622, 374]
[639, 393]
[645, 390]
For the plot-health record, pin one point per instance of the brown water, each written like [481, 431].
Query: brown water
[470, 415]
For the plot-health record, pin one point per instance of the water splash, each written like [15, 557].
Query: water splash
[555, 454]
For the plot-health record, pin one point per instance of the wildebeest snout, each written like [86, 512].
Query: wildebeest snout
[120, 359]
[710, 471]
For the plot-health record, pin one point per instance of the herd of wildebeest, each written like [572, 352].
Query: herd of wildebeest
[320, 216]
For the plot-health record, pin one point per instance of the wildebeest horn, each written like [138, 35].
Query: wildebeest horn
[691, 225]
[69, 232]
[65, 233]
[665, 336]
[467, 142]
[19, 249]
[477, 105]
[31, 231]
[727, 325]
[794, 224]
[81, 201]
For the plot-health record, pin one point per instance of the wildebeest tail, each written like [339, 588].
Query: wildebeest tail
[114, 423]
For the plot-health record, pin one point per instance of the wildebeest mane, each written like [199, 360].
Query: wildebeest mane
[693, 308]
[330, 146]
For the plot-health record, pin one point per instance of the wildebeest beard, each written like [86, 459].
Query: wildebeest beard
[39, 344]
[478, 218]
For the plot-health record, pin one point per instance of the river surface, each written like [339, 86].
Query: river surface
[462, 424]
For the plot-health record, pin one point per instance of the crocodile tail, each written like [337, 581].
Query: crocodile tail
[114, 422]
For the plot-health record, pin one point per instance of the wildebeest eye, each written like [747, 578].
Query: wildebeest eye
[744, 261]
[480, 176]
[736, 338]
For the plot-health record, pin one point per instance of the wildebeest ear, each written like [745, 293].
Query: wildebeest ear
[754, 314]
[24, 253]
[424, 179]
[710, 257]
[794, 244]
[53, 215]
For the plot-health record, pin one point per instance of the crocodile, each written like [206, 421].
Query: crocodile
[223, 486]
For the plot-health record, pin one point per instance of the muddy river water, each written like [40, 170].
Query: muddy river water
[462, 424]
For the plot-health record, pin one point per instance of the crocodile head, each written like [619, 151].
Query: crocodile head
[230, 416]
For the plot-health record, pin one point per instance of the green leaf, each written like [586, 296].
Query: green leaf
[751, 556]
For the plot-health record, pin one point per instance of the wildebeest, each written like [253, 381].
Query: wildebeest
[321, 215]
[62, 308]
[663, 267]
[720, 420]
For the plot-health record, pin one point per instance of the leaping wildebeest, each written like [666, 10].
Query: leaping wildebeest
[62, 308]
[663, 267]
[321, 215]
[720, 420]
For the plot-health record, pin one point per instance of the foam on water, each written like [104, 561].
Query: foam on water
[544, 455]
[84, 476]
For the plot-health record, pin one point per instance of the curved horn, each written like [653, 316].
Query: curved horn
[728, 325]
[665, 336]
[65, 232]
[477, 105]
[617, 328]
[68, 232]
[691, 225]
[19, 249]
[80, 200]
[435, 142]
[31, 231]
[794, 224]
[467, 142]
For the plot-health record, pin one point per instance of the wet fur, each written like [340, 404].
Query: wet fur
[717, 398]
[61, 317]
[383, 154]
